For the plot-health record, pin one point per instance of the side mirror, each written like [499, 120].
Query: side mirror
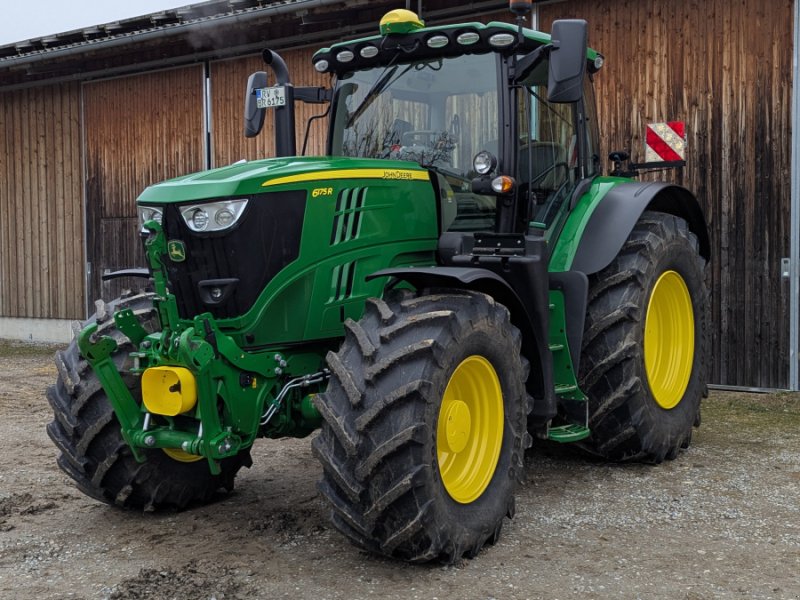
[254, 116]
[569, 39]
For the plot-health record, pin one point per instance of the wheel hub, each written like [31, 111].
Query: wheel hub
[457, 425]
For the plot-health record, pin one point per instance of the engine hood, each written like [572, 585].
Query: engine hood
[243, 178]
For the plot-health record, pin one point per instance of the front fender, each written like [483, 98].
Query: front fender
[617, 212]
[531, 316]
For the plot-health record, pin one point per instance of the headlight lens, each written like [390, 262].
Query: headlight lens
[224, 217]
[213, 216]
[484, 162]
[199, 220]
[148, 213]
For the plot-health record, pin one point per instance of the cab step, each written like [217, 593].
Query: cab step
[568, 433]
[565, 388]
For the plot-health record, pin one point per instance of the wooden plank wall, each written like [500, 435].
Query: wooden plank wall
[228, 83]
[139, 130]
[725, 68]
[41, 207]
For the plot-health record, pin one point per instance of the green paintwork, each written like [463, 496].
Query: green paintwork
[245, 178]
[399, 226]
[566, 245]
[564, 374]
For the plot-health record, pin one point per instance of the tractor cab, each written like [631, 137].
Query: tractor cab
[470, 103]
[502, 116]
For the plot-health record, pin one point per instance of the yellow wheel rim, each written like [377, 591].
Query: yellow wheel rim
[469, 434]
[669, 339]
[181, 455]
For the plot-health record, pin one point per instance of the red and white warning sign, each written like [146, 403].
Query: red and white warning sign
[666, 142]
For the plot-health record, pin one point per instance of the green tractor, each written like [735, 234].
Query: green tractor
[455, 277]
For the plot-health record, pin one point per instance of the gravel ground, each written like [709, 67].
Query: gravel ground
[721, 521]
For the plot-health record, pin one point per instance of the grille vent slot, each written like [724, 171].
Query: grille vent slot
[347, 218]
[342, 282]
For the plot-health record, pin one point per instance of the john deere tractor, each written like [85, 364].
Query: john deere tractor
[455, 277]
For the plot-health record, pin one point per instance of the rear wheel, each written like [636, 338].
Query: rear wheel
[643, 363]
[425, 426]
[93, 453]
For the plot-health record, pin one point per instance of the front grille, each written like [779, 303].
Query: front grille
[264, 241]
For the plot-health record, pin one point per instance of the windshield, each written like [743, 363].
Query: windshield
[438, 112]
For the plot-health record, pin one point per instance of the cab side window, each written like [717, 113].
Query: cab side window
[594, 162]
[547, 165]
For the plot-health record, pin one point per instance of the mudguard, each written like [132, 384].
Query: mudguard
[614, 218]
[530, 316]
[472, 278]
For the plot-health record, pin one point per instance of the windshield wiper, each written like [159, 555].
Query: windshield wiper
[384, 81]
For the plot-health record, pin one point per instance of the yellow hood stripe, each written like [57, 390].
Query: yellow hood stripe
[388, 174]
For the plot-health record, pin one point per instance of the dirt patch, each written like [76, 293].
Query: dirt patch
[721, 521]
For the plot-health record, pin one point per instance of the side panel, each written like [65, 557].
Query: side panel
[350, 228]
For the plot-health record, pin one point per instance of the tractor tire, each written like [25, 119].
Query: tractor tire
[424, 425]
[643, 364]
[93, 453]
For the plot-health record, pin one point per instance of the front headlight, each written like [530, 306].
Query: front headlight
[148, 213]
[213, 216]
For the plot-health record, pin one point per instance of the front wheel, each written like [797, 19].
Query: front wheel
[424, 426]
[643, 365]
[93, 453]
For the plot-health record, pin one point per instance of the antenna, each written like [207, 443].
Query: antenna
[521, 8]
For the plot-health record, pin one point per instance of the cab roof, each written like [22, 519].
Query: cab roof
[431, 42]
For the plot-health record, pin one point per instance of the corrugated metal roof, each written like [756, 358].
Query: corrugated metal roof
[201, 32]
[164, 21]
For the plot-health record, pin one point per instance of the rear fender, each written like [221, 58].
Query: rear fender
[617, 213]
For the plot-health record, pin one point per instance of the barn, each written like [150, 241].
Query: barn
[91, 117]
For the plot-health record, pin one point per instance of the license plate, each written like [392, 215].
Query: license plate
[271, 97]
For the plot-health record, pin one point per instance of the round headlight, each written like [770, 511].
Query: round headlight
[368, 52]
[148, 213]
[200, 219]
[599, 61]
[224, 217]
[484, 162]
[321, 65]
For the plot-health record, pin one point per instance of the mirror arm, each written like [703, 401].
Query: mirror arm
[313, 95]
[527, 63]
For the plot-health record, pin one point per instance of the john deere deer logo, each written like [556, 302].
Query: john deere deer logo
[176, 250]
